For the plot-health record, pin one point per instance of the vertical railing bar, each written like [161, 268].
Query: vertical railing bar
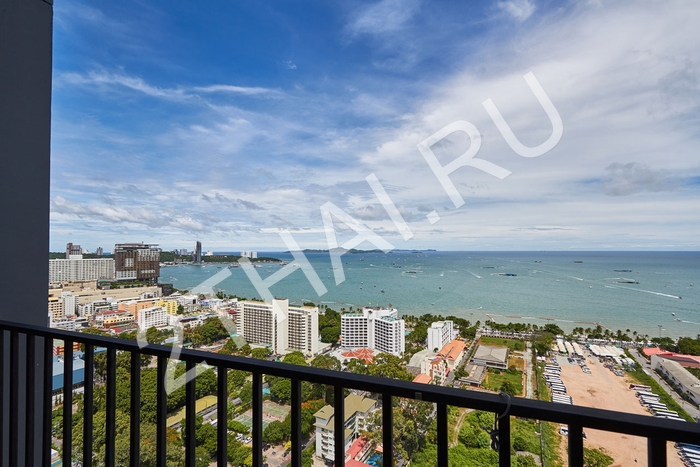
[2, 397]
[135, 411]
[14, 398]
[296, 423]
[656, 452]
[222, 418]
[30, 411]
[388, 430]
[442, 439]
[339, 425]
[257, 419]
[504, 442]
[47, 429]
[190, 414]
[161, 412]
[575, 445]
[67, 402]
[111, 399]
[88, 401]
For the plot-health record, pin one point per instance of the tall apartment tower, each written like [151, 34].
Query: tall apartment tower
[99, 251]
[72, 250]
[197, 253]
[137, 261]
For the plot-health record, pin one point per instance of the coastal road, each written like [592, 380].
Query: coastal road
[692, 411]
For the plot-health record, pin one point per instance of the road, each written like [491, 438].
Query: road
[529, 371]
[692, 411]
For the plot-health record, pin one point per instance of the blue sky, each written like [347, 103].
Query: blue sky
[228, 121]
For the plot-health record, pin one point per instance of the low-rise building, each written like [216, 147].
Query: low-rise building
[357, 409]
[452, 353]
[436, 368]
[494, 357]
[686, 383]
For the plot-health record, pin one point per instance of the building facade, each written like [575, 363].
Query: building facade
[77, 269]
[377, 329]
[150, 317]
[439, 334]
[685, 381]
[73, 250]
[357, 410]
[279, 326]
[137, 262]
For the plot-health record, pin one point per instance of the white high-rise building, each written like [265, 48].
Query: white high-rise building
[440, 334]
[154, 316]
[281, 327]
[70, 303]
[375, 328]
[77, 269]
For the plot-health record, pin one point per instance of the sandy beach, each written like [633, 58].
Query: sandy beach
[602, 389]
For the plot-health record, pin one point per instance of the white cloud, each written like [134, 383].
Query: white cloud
[518, 9]
[247, 91]
[382, 17]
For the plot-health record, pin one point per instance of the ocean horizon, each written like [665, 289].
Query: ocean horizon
[654, 293]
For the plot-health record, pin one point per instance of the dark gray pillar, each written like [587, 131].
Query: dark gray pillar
[25, 143]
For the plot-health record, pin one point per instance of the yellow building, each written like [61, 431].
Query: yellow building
[56, 307]
[169, 305]
[134, 306]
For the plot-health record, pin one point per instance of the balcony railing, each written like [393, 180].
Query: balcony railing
[657, 431]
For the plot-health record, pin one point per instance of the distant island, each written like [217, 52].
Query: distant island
[354, 251]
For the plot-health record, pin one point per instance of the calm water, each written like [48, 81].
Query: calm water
[468, 284]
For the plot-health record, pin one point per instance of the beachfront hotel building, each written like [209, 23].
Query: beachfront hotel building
[357, 409]
[376, 328]
[277, 325]
[77, 269]
[439, 334]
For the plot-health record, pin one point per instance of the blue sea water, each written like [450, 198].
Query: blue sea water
[572, 288]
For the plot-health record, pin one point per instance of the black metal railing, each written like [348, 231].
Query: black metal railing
[657, 431]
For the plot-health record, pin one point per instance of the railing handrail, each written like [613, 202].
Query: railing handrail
[588, 417]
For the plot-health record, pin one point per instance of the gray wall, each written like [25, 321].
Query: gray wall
[25, 144]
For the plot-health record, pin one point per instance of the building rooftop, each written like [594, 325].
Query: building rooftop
[353, 404]
[489, 353]
[689, 382]
[452, 349]
[422, 378]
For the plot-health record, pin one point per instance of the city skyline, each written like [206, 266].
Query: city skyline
[172, 122]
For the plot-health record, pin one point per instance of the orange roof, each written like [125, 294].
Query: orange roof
[356, 447]
[354, 463]
[452, 349]
[649, 351]
[363, 354]
[422, 378]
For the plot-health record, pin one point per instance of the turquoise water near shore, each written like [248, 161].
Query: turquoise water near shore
[571, 288]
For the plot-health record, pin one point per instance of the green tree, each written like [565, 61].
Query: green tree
[330, 334]
[295, 358]
[260, 353]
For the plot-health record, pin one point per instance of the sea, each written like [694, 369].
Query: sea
[654, 293]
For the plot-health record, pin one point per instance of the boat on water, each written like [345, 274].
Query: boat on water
[673, 314]
[382, 291]
[508, 274]
[627, 281]
[623, 270]
[578, 261]
[677, 319]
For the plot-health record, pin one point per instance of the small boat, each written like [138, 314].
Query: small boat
[578, 261]
[538, 261]
[382, 291]
[677, 319]
[673, 314]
